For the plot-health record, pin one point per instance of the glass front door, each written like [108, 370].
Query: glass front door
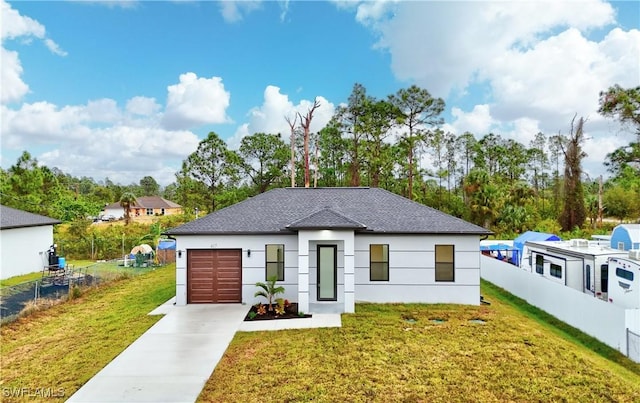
[327, 272]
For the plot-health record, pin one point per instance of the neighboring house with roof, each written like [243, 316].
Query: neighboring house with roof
[329, 247]
[145, 206]
[24, 238]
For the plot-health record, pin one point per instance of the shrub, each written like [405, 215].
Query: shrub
[269, 290]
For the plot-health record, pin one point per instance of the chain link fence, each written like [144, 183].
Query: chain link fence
[54, 285]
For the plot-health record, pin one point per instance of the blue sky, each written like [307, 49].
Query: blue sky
[125, 90]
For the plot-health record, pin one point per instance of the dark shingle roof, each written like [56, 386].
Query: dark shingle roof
[286, 209]
[325, 219]
[14, 218]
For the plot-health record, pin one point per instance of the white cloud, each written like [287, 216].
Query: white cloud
[234, 11]
[443, 45]
[95, 140]
[479, 120]
[196, 101]
[14, 25]
[270, 116]
[13, 88]
[54, 47]
[142, 106]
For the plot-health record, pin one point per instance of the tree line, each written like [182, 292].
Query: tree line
[396, 143]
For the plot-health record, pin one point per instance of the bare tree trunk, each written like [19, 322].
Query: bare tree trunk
[306, 123]
[292, 125]
[315, 173]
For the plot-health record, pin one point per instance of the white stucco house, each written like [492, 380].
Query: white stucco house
[23, 237]
[329, 247]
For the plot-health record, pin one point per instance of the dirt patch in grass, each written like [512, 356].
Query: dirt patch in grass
[394, 352]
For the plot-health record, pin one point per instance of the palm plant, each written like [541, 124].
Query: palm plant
[269, 290]
[127, 200]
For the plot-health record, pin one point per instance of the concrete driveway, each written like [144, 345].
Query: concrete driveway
[172, 361]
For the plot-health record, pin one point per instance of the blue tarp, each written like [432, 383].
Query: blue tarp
[167, 244]
[519, 242]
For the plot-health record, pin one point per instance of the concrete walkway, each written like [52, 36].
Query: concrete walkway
[173, 360]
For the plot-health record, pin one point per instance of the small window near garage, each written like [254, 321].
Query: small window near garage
[604, 278]
[539, 264]
[379, 262]
[555, 270]
[445, 265]
[274, 261]
[625, 274]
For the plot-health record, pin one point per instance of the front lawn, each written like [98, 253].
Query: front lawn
[425, 353]
[63, 347]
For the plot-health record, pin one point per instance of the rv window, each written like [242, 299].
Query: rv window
[588, 275]
[604, 278]
[625, 274]
[539, 264]
[556, 270]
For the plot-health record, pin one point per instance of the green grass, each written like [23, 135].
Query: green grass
[23, 278]
[403, 353]
[64, 346]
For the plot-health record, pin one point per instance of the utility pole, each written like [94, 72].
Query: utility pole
[600, 207]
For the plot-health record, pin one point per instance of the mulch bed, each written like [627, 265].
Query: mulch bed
[291, 312]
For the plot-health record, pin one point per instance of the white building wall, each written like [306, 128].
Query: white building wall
[253, 266]
[411, 267]
[604, 321]
[20, 249]
[412, 270]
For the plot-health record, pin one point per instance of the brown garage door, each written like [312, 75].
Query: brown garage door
[214, 275]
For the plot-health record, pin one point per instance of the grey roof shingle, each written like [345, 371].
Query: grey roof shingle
[326, 219]
[14, 218]
[286, 209]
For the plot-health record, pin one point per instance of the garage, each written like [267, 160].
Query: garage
[214, 276]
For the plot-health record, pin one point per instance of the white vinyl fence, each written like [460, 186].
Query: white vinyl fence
[606, 322]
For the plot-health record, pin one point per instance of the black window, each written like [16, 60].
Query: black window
[539, 264]
[379, 262]
[445, 263]
[604, 278]
[555, 270]
[625, 274]
[274, 261]
[588, 275]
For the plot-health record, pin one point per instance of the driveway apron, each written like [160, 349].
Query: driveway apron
[172, 361]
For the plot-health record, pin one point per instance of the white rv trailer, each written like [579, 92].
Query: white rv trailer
[624, 280]
[580, 264]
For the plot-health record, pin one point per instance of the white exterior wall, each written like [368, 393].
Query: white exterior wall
[412, 270]
[117, 212]
[253, 267]
[308, 240]
[604, 321]
[411, 267]
[20, 249]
